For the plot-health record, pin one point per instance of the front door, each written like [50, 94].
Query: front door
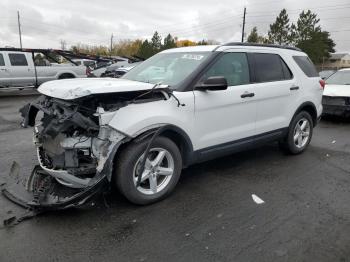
[223, 117]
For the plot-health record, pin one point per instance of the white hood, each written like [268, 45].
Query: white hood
[337, 90]
[69, 89]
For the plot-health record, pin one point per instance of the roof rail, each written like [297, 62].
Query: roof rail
[262, 45]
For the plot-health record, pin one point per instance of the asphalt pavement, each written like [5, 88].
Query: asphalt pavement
[211, 216]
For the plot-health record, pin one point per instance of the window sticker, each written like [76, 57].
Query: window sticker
[192, 57]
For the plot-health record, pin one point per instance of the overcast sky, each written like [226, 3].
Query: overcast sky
[46, 22]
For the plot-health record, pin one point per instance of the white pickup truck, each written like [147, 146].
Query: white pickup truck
[17, 69]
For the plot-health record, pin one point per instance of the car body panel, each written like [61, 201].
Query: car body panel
[336, 90]
[76, 88]
[223, 116]
[138, 118]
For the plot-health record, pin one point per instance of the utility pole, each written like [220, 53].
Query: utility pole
[63, 44]
[243, 26]
[19, 29]
[111, 43]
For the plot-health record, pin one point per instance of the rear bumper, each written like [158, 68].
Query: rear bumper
[337, 110]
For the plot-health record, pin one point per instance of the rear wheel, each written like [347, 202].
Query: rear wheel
[160, 176]
[299, 134]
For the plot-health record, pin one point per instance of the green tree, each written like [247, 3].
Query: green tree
[145, 50]
[279, 30]
[156, 43]
[253, 36]
[306, 27]
[309, 37]
[318, 46]
[169, 42]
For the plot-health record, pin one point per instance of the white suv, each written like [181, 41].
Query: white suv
[180, 107]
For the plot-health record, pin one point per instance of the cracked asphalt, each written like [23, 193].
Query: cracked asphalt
[211, 216]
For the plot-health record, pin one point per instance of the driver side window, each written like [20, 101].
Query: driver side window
[233, 66]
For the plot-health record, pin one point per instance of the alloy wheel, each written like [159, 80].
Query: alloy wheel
[302, 132]
[159, 169]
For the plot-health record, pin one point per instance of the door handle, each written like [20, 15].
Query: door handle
[294, 88]
[247, 94]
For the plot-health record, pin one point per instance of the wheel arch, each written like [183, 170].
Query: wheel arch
[65, 75]
[174, 133]
[310, 108]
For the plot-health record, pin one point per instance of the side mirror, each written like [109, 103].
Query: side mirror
[213, 83]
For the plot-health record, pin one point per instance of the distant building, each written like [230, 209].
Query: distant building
[336, 61]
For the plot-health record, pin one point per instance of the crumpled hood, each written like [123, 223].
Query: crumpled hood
[69, 89]
[337, 90]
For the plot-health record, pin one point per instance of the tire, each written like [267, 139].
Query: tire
[293, 144]
[128, 161]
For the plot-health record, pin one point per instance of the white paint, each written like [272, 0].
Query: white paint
[69, 89]
[257, 199]
[336, 90]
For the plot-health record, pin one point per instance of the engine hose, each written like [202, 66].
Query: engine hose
[148, 148]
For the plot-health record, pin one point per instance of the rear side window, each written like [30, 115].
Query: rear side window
[2, 62]
[306, 65]
[270, 67]
[18, 60]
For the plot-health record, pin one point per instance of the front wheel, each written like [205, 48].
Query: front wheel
[160, 176]
[299, 134]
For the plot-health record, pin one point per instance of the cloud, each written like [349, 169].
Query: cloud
[46, 22]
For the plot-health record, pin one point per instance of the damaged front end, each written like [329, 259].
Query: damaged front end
[75, 151]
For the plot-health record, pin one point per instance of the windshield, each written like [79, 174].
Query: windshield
[339, 78]
[167, 68]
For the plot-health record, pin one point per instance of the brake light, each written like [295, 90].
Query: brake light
[322, 83]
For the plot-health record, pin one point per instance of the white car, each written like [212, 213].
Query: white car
[141, 130]
[336, 95]
[17, 69]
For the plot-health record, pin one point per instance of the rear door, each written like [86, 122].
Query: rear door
[223, 117]
[21, 69]
[276, 92]
[4, 71]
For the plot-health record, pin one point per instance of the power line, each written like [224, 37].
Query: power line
[327, 8]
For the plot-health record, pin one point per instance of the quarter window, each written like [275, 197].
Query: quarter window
[2, 62]
[306, 65]
[233, 66]
[271, 67]
[18, 60]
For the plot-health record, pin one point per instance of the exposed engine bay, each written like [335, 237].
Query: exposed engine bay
[75, 149]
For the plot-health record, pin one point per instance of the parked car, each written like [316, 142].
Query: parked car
[118, 62]
[336, 95]
[326, 73]
[100, 69]
[180, 107]
[85, 62]
[117, 72]
[18, 69]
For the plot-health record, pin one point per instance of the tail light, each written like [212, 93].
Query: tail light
[322, 83]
